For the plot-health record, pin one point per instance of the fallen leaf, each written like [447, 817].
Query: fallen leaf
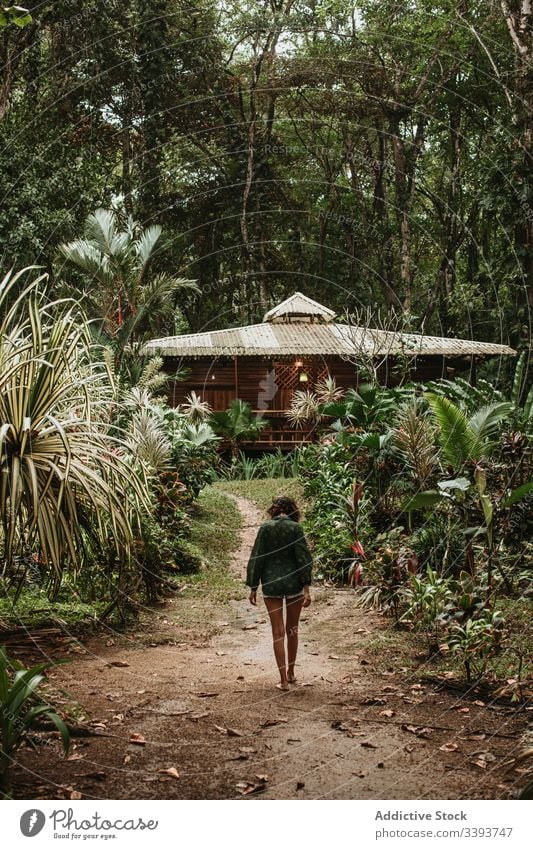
[232, 732]
[205, 695]
[126, 759]
[300, 785]
[333, 657]
[246, 788]
[419, 730]
[249, 627]
[408, 749]
[360, 774]
[76, 757]
[368, 745]
[221, 653]
[449, 747]
[138, 739]
[75, 795]
[388, 713]
[361, 631]
[110, 642]
[247, 750]
[118, 663]
[269, 722]
[198, 715]
[479, 703]
[172, 771]
[373, 700]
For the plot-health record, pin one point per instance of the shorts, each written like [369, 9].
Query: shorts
[287, 597]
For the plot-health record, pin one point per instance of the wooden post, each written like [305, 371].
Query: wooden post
[236, 376]
[473, 375]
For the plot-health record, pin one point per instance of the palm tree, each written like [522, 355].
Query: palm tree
[237, 423]
[121, 291]
[463, 438]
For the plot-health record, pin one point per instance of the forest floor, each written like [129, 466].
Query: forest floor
[186, 708]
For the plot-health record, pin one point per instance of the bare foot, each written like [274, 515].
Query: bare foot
[283, 687]
[292, 679]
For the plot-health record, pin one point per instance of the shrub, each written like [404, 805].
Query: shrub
[21, 709]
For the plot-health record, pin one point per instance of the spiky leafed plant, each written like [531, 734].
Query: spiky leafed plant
[304, 408]
[62, 475]
[414, 437]
[121, 290]
[461, 438]
[327, 391]
[149, 444]
[195, 410]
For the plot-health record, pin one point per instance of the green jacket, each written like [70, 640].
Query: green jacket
[280, 559]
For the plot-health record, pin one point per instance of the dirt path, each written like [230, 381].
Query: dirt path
[205, 704]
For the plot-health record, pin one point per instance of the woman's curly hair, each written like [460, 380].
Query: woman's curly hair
[284, 505]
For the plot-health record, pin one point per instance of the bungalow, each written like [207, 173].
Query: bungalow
[298, 344]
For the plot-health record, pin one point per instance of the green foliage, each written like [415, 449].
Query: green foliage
[415, 439]
[64, 477]
[463, 439]
[121, 289]
[21, 709]
[237, 423]
[16, 15]
[476, 640]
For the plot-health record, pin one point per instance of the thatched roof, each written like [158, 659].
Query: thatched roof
[301, 326]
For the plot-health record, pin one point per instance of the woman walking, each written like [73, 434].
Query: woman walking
[281, 562]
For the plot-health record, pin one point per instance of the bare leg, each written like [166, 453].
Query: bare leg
[275, 611]
[294, 608]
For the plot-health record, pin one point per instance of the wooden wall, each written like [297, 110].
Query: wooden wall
[268, 384]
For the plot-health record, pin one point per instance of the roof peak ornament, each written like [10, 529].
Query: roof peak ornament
[299, 309]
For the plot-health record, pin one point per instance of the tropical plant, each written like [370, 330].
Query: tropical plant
[476, 640]
[64, 478]
[462, 438]
[304, 408]
[237, 424]
[365, 407]
[195, 410]
[149, 443]
[326, 390]
[121, 291]
[21, 710]
[414, 438]
[427, 599]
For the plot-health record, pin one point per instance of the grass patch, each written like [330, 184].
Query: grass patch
[261, 491]
[35, 610]
[215, 535]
